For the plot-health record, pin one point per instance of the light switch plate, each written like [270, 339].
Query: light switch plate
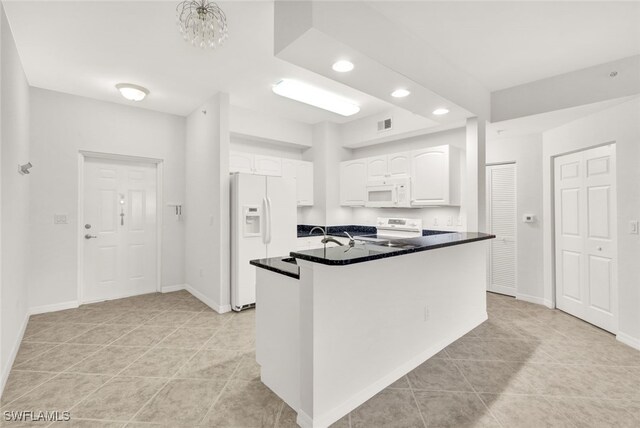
[633, 227]
[60, 219]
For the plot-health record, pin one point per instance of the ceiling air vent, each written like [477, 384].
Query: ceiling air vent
[384, 125]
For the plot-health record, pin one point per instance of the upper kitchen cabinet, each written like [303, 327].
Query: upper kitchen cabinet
[353, 181]
[302, 171]
[388, 166]
[267, 165]
[399, 164]
[377, 168]
[255, 164]
[304, 176]
[435, 176]
[241, 162]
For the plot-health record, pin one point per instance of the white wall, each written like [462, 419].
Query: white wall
[326, 155]
[14, 227]
[61, 126]
[207, 205]
[576, 88]
[437, 218]
[619, 124]
[260, 147]
[249, 123]
[526, 152]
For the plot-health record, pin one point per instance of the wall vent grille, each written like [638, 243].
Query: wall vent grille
[385, 125]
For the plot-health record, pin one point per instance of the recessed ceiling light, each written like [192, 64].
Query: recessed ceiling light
[342, 66]
[400, 93]
[316, 97]
[440, 111]
[132, 92]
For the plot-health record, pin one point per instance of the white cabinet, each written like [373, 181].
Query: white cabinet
[377, 168]
[435, 176]
[241, 162]
[267, 165]
[388, 166]
[255, 164]
[399, 164]
[302, 171]
[353, 182]
[304, 177]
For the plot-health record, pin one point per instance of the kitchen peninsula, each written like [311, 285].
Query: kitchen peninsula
[336, 325]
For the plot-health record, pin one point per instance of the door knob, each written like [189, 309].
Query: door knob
[599, 248]
[87, 236]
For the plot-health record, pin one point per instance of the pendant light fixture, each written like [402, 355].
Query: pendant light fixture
[202, 23]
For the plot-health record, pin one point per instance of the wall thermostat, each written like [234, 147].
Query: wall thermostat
[528, 218]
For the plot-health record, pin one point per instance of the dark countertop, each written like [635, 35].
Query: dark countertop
[277, 265]
[364, 252]
[340, 256]
[354, 230]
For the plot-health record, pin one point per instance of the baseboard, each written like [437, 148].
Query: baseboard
[629, 340]
[221, 309]
[54, 307]
[12, 357]
[356, 400]
[172, 288]
[533, 299]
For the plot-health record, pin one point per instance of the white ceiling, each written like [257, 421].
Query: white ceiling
[508, 43]
[539, 123]
[85, 48]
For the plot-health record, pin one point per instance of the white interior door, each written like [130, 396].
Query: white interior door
[119, 229]
[501, 219]
[585, 228]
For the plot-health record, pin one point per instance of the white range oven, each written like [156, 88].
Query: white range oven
[389, 193]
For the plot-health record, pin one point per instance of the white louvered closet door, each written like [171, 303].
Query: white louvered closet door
[501, 218]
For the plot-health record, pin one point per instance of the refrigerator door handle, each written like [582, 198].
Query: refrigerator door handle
[265, 214]
[268, 218]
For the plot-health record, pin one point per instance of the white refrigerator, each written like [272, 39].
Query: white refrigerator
[263, 224]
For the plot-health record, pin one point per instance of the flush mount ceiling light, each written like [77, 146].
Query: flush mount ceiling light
[400, 93]
[316, 97]
[132, 92]
[202, 23]
[342, 66]
[440, 111]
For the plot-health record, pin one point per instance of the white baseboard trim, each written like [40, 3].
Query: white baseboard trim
[54, 307]
[627, 339]
[533, 299]
[356, 400]
[12, 357]
[221, 309]
[172, 288]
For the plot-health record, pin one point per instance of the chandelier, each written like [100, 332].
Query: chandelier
[202, 23]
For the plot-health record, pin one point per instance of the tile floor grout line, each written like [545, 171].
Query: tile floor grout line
[415, 400]
[215, 401]
[151, 348]
[132, 419]
[478, 396]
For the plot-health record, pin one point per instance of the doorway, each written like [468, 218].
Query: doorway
[501, 221]
[119, 238]
[585, 236]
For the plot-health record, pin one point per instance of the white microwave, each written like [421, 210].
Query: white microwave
[389, 193]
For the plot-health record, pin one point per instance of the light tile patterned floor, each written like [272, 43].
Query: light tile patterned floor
[168, 360]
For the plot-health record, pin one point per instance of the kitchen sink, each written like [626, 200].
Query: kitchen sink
[291, 260]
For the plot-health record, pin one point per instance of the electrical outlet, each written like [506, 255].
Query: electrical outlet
[60, 219]
[633, 227]
[426, 313]
[449, 221]
[435, 221]
[201, 273]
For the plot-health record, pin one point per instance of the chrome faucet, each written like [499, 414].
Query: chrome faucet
[326, 238]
